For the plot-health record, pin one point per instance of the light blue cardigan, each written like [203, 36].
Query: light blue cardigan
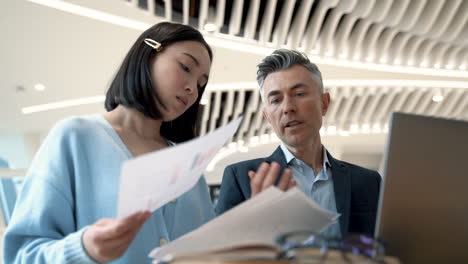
[73, 182]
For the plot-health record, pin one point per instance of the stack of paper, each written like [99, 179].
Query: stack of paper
[255, 223]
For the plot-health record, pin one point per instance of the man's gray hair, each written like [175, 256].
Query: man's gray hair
[282, 59]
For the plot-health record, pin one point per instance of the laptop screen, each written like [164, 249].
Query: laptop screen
[423, 210]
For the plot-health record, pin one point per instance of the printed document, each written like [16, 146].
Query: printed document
[152, 180]
[255, 223]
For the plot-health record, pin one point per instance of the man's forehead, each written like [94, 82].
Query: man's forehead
[289, 78]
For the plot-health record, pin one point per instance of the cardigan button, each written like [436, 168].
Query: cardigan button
[162, 242]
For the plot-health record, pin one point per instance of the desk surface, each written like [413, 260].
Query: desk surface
[333, 257]
[388, 260]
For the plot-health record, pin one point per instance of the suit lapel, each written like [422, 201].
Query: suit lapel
[278, 156]
[342, 188]
[243, 178]
[341, 182]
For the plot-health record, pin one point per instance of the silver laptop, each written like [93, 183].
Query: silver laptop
[423, 210]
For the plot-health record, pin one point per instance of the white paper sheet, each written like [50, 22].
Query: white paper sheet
[257, 221]
[151, 180]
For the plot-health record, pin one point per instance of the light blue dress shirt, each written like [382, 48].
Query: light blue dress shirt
[318, 187]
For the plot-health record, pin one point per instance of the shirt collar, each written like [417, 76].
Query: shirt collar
[287, 154]
[290, 157]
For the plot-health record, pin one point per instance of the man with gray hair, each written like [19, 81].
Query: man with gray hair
[294, 104]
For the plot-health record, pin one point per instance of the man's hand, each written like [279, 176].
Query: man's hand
[266, 176]
[108, 239]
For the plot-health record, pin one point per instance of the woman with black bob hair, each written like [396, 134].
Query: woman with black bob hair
[66, 210]
[132, 85]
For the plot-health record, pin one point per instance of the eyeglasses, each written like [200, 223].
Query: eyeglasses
[310, 247]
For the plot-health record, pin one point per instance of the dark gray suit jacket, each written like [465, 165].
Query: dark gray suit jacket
[356, 190]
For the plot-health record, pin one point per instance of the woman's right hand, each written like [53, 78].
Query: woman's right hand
[108, 239]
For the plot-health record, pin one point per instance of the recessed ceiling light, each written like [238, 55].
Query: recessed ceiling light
[210, 27]
[331, 130]
[203, 101]
[376, 128]
[365, 128]
[322, 131]
[385, 128]
[243, 149]
[39, 87]
[343, 133]
[437, 98]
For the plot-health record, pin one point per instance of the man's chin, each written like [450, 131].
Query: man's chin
[293, 141]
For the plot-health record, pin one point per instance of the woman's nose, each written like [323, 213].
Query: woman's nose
[191, 88]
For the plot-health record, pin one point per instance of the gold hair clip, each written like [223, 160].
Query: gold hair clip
[154, 44]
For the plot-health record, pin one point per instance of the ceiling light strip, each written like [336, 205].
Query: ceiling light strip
[93, 14]
[239, 44]
[62, 104]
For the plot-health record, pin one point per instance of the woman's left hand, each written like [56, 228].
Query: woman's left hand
[108, 239]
